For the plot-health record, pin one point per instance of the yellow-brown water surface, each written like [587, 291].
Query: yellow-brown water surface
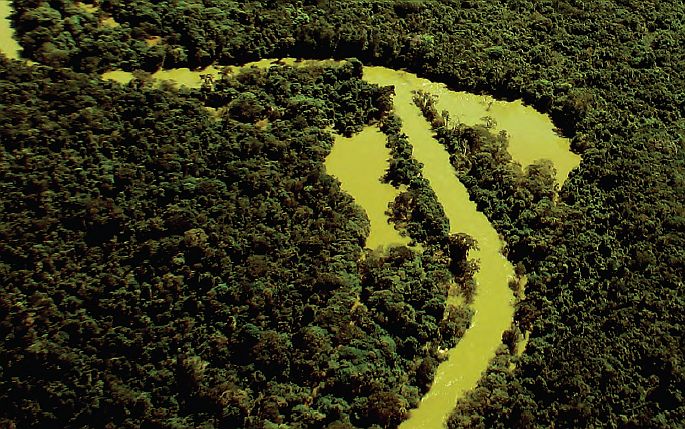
[532, 135]
[359, 162]
[493, 303]
[181, 76]
[8, 45]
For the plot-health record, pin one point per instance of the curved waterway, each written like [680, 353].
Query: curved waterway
[360, 161]
[532, 135]
[493, 302]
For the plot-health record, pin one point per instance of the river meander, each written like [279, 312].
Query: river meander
[360, 161]
[493, 302]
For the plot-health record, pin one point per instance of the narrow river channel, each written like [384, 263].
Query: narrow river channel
[532, 137]
[493, 302]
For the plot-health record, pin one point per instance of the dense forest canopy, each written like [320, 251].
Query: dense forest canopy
[212, 280]
[204, 288]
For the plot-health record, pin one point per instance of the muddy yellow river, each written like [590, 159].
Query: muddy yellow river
[8, 45]
[360, 161]
[532, 137]
[493, 302]
[531, 134]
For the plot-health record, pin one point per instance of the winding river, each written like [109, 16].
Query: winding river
[360, 161]
[493, 302]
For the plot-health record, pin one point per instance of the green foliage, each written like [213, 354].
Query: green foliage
[537, 225]
[165, 268]
[118, 173]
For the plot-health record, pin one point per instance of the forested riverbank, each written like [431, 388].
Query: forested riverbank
[605, 263]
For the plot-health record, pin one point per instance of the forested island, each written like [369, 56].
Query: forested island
[179, 257]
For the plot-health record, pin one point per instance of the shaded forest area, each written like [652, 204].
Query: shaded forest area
[165, 268]
[605, 298]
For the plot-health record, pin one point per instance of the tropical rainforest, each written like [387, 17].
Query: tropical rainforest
[165, 265]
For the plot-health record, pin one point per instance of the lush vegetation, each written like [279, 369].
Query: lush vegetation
[102, 184]
[166, 268]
